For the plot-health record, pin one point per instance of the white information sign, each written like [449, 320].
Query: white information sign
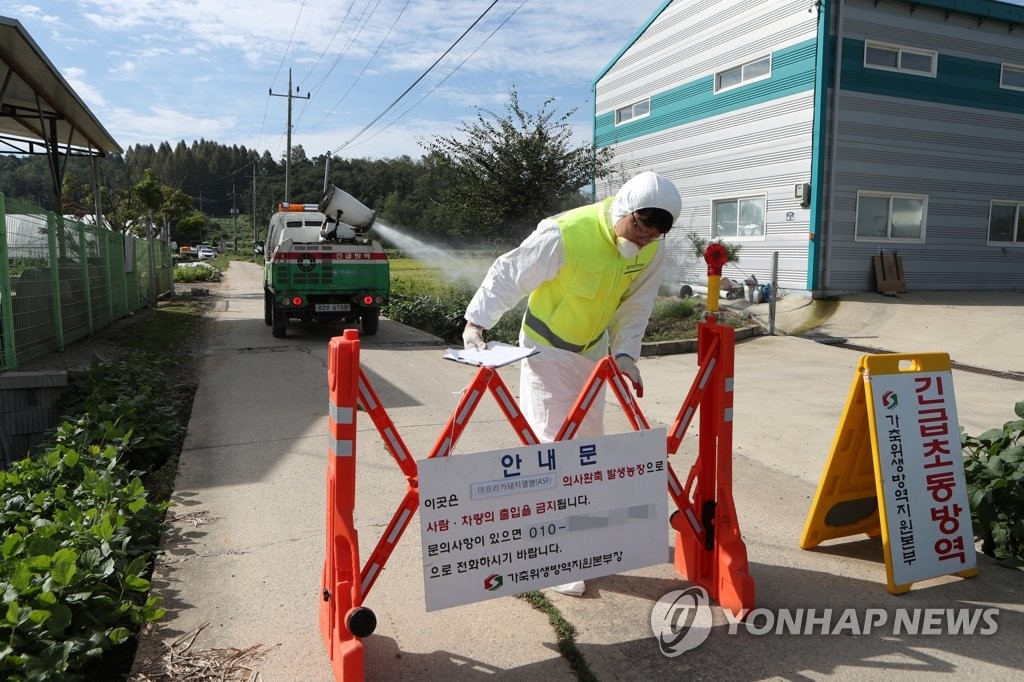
[508, 521]
[927, 514]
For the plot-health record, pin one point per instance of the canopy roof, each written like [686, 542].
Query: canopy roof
[39, 112]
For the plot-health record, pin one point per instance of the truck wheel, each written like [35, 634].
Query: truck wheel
[280, 323]
[268, 307]
[371, 320]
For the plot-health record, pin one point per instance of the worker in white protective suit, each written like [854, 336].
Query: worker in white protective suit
[592, 275]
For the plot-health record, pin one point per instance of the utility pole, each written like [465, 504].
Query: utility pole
[288, 152]
[234, 214]
[202, 230]
[255, 236]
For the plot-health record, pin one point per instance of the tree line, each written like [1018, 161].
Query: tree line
[488, 184]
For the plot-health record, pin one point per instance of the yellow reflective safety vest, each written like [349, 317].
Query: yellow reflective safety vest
[573, 310]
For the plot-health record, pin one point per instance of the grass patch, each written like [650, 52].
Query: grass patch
[564, 631]
[173, 332]
[170, 330]
[674, 319]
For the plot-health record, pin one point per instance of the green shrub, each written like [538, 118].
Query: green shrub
[134, 394]
[994, 469]
[439, 308]
[196, 273]
[671, 309]
[78, 533]
[79, 529]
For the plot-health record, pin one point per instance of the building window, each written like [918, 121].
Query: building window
[1012, 77]
[905, 59]
[633, 111]
[899, 217]
[744, 73]
[735, 218]
[1006, 222]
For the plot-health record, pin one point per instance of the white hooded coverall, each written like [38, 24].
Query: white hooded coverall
[551, 380]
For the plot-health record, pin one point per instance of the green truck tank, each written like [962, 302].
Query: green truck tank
[320, 266]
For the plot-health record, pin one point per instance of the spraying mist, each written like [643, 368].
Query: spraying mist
[452, 268]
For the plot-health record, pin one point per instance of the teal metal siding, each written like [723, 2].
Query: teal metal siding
[955, 137]
[959, 82]
[793, 71]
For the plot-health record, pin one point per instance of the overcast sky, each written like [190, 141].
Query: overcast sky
[190, 69]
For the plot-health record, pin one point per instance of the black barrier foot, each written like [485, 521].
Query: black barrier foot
[361, 621]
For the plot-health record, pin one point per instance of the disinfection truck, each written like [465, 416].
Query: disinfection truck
[320, 265]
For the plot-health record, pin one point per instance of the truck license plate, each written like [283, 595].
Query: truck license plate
[333, 307]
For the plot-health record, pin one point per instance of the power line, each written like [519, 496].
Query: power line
[344, 50]
[450, 74]
[280, 66]
[416, 82]
[328, 46]
[365, 66]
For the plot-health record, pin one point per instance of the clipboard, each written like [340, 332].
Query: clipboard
[495, 355]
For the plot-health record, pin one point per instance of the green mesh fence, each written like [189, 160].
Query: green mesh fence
[66, 279]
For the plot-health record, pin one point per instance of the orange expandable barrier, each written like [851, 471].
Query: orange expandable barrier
[709, 550]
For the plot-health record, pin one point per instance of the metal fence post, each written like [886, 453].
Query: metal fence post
[53, 224]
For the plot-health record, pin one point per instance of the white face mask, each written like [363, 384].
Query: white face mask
[627, 249]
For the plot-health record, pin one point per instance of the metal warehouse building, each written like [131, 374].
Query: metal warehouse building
[829, 133]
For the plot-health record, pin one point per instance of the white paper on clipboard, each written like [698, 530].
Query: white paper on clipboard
[496, 355]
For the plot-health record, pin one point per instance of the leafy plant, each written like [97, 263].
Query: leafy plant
[18, 266]
[78, 532]
[434, 315]
[79, 527]
[132, 393]
[198, 272]
[994, 469]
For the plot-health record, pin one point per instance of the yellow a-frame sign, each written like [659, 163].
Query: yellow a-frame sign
[896, 470]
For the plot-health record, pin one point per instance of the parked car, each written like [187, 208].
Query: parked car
[205, 252]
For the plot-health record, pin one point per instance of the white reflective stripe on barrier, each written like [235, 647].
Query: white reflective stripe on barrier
[694, 522]
[396, 532]
[393, 441]
[366, 396]
[339, 448]
[340, 415]
[509, 403]
[591, 396]
[678, 433]
[370, 573]
[474, 397]
[708, 372]
[673, 483]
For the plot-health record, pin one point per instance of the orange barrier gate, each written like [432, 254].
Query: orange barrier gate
[343, 618]
[709, 548]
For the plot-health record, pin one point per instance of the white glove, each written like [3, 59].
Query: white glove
[473, 338]
[628, 367]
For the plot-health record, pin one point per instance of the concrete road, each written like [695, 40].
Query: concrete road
[248, 548]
